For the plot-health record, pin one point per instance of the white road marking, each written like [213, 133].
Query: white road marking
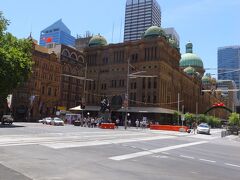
[23, 140]
[165, 153]
[188, 157]
[207, 160]
[60, 145]
[153, 151]
[233, 165]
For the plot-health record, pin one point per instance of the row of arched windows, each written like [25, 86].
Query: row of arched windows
[72, 55]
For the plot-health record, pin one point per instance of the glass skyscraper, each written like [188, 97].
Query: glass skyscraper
[140, 15]
[229, 64]
[57, 33]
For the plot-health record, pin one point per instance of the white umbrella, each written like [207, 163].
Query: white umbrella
[77, 108]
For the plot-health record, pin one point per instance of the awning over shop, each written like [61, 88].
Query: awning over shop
[87, 108]
[77, 108]
[147, 110]
[130, 109]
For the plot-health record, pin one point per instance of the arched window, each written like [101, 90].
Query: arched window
[65, 52]
[73, 55]
[80, 58]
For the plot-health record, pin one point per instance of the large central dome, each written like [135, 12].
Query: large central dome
[154, 31]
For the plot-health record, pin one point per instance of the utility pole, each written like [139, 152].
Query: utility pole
[126, 96]
[84, 89]
[132, 76]
[182, 113]
[178, 106]
[196, 111]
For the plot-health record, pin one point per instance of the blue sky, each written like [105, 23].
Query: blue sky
[208, 24]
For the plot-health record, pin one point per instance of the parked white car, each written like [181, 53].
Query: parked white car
[47, 120]
[203, 128]
[57, 121]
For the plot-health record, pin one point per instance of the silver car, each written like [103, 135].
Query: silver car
[57, 122]
[203, 128]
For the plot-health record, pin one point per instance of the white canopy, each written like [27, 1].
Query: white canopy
[77, 108]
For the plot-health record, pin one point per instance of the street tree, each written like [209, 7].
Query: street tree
[175, 117]
[15, 60]
[188, 118]
[202, 118]
[234, 119]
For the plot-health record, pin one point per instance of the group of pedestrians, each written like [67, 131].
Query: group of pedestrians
[90, 122]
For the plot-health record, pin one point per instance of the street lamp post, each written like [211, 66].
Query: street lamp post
[84, 84]
[132, 76]
[126, 96]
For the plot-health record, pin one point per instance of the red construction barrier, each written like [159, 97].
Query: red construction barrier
[168, 127]
[107, 126]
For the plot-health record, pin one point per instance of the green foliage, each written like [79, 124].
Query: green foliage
[175, 117]
[188, 118]
[234, 120]
[213, 121]
[15, 60]
[202, 118]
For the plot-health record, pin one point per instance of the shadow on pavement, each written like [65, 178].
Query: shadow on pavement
[10, 126]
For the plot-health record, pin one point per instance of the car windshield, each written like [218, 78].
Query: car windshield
[203, 125]
[58, 119]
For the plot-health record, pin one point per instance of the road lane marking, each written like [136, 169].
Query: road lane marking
[233, 165]
[207, 160]
[153, 151]
[166, 153]
[59, 145]
[188, 157]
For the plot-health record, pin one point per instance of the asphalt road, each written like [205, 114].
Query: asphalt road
[44, 152]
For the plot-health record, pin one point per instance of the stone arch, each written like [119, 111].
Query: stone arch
[81, 58]
[66, 52]
[74, 55]
[217, 107]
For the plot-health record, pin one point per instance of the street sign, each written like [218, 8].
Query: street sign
[182, 118]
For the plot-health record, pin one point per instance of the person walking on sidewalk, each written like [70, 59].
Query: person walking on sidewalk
[117, 123]
[137, 123]
[194, 126]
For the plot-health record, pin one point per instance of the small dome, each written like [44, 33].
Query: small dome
[97, 40]
[206, 79]
[173, 43]
[190, 59]
[190, 71]
[154, 31]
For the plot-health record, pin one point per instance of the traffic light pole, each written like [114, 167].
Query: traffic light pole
[84, 90]
[126, 96]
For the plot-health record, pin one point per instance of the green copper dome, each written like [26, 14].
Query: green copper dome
[97, 40]
[190, 71]
[190, 59]
[154, 31]
[173, 43]
[206, 79]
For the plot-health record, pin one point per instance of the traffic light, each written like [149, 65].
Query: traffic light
[104, 105]
[82, 106]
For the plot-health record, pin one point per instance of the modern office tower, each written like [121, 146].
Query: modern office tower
[57, 33]
[228, 96]
[139, 16]
[172, 33]
[229, 64]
